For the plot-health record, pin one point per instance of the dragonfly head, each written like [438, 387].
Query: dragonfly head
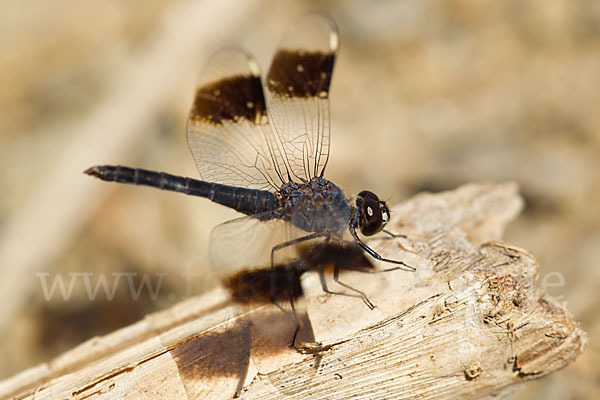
[373, 213]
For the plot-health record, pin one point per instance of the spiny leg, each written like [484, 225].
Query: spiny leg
[305, 348]
[291, 243]
[275, 293]
[273, 298]
[292, 295]
[291, 298]
[362, 295]
[307, 259]
[327, 290]
[394, 235]
[376, 255]
[371, 271]
[312, 347]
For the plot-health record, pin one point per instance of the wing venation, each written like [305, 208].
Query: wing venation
[298, 84]
[228, 125]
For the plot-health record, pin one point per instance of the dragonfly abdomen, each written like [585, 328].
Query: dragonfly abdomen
[247, 201]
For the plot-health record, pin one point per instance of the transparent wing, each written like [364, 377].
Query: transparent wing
[298, 84]
[246, 244]
[228, 124]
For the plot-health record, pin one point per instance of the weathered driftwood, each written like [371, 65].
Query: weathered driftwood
[468, 324]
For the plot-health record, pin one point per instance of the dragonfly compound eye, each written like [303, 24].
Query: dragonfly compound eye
[372, 218]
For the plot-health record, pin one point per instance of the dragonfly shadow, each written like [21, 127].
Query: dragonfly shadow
[211, 357]
[263, 331]
[281, 286]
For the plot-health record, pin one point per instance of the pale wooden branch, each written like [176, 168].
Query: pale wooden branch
[468, 324]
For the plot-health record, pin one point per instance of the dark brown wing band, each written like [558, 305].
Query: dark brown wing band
[300, 74]
[219, 101]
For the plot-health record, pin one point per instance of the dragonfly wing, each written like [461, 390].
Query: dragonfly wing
[246, 244]
[298, 85]
[228, 125]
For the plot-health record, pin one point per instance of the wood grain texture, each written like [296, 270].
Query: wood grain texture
[469, 324]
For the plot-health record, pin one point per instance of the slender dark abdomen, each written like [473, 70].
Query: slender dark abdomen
[247, 201]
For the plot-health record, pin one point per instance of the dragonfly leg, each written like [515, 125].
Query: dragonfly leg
[370, 271]
[307, 259]
[394, 235]
[273, 298]
[362, 295]
[292, 295]
[336, 279]
[303, 347]
[291, 243]
[297, 323]
[292, 278]
[376, 255]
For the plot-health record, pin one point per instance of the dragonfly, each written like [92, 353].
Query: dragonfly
[269, 164]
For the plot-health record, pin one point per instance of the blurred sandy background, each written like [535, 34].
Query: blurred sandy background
[426, 96]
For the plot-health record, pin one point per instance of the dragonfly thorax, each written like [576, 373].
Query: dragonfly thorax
[317, 206]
